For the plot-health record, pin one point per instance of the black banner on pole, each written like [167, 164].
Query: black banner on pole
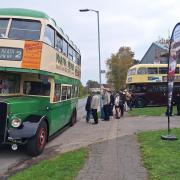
[174, 52]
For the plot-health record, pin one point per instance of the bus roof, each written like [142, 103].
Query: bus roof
[150, 65]
[35, 14]
[23, 12]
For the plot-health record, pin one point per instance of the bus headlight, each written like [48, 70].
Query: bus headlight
[16, 122]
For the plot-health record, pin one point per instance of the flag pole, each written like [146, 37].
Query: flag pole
[174, 49]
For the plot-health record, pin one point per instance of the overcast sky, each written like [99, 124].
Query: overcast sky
[133, 23]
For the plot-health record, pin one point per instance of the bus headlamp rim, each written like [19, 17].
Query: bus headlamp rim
[16, 122]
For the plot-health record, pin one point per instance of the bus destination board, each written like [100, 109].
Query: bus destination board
[11, 54]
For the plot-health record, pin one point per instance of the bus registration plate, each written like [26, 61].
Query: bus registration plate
[12, 54]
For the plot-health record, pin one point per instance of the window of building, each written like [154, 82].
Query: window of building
[152, 71]
[59, 43]
[49, 36]
[65, 47]
[3, 27]
[25, 29]
[57, 93]
[142, 70]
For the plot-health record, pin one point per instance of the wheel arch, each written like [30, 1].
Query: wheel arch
[142, 98]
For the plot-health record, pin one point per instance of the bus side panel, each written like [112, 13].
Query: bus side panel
[60, 114]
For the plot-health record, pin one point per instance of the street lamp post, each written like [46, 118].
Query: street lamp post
[85, 10]
[99, 52]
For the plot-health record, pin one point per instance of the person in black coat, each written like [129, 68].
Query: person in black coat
[111, 105]
[88, 107]
[122, 102]
[178, 103]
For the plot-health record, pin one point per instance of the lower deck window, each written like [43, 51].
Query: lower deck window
[64, 93]
[9, 83]
[57, 93]
[36, 88]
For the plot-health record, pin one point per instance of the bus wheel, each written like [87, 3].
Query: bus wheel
[35, 145]
[73, 118]
[140, 102]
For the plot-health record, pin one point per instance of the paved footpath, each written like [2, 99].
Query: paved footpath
[119, 158]
[114, 150]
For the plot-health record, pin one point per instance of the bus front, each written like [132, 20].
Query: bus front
[24, 91]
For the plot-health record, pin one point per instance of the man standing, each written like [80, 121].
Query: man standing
[88, 107]
[106, 102]
[178, 103]
[94, 107]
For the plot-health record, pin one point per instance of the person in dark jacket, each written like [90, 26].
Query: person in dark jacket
[111, 105]
[178, 103]
[122, 102]
[88, 107]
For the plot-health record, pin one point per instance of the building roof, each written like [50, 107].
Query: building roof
[23, 12]
[162, 46]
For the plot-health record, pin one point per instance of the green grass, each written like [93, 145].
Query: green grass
[161, 158]
[150, 111]
[62, 167]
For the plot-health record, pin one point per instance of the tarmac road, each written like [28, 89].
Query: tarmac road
[108, 141]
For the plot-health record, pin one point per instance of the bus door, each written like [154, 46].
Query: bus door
[60, 110]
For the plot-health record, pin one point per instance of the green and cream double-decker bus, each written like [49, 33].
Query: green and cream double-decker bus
[39, 79]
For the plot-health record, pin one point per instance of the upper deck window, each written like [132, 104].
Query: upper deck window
[129, 72]
[142, 70]
[25, 29]
[177, 70]
[3, 27]
[163, 70]
[74, 56]
[70, 53]
[152, 71]
[65, 47]
[59, 42]
[133, 71]
[78, 59]
[49, 36]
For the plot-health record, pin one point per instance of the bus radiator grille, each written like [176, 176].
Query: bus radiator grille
[3, 116]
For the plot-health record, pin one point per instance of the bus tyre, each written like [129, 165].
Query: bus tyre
[35, 145]
[73, 118]
[140, 102]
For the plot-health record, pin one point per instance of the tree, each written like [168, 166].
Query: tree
[92, 84]
[118, 66]
[82, 91]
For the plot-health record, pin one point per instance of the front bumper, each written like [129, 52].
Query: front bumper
[20, 135]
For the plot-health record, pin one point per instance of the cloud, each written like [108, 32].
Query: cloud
[134, 23]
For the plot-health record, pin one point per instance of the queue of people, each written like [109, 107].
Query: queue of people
[114, 104]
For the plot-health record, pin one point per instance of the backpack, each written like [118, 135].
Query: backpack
[117, 100]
